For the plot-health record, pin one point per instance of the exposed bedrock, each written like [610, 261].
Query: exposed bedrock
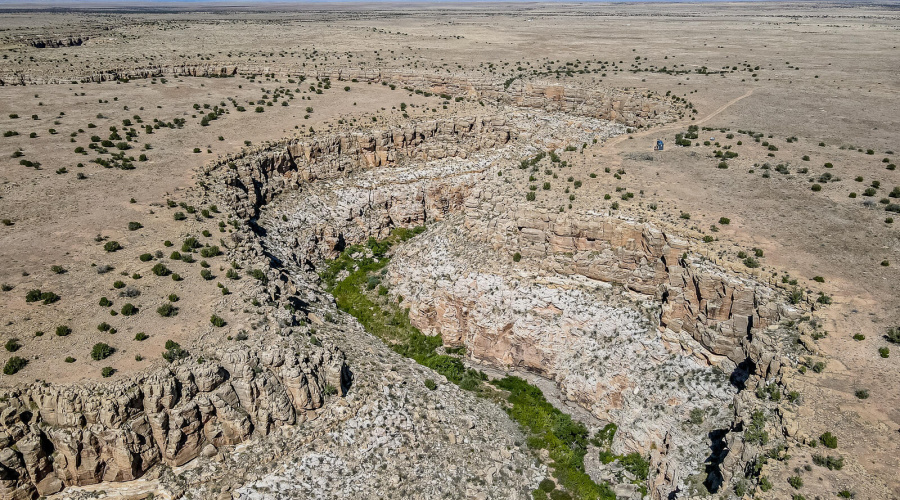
[634, 108]
[57, 436]
[625, 319]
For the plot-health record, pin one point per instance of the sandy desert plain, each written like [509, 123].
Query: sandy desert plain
[429, 251]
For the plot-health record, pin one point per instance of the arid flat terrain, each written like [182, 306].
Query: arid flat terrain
[184, 189]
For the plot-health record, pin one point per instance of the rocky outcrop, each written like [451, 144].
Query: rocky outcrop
[634, 108]
[721, 310]
[57, 436]
[255, 180]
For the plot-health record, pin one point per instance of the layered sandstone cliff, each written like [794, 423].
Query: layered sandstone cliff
[53, 436]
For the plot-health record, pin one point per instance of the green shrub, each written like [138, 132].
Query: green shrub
[107, 371]
[176, 277]
[69, 359]
[517, 257]
[755, 432]
[893, 335]
[796, 482]
[862, 394]
[816, 187]
[189, 244]
[119, 284]
[209, 252]
[62, 331]
[103, 327]
[129, 310]
[751, 262]
[828, 440]
[260, 275]
[134, 226]
[217, 321]
[832, 463]
[160, 270]
[430, 384]
[101, 351]
[765, 484]
[12, 345]
[167, 310]
[179, 216]
[13, 365]
[859, 336]
[206, 274]
[724, 221]
[884, 352]
[33, 295]
[636, 464]
[112, 246]
[173, 352]
[145, 257]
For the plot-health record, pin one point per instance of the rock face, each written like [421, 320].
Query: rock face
[54, 437]
[294, 162]
[721, 311]
[630, 107]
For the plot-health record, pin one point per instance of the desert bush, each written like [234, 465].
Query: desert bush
[145, 257]
[160, 270]
[755, 432]
[129, 309]
[69, 359]
[796, 482]
[862, 394]
[173, 351]
[63, 331]
[517, 257]
[210, 251]
[134, 226]
[217, 321]
[828, 440]
[167, 310]
[259, 274]
[112, 246]
[206, 274]
[101, 351]
[107, 371]
[884, 352]
[179, 216]
[430, 384]
[816, 187]
[12, 345]
[13, 365]
[103, 327]
[832, 463]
